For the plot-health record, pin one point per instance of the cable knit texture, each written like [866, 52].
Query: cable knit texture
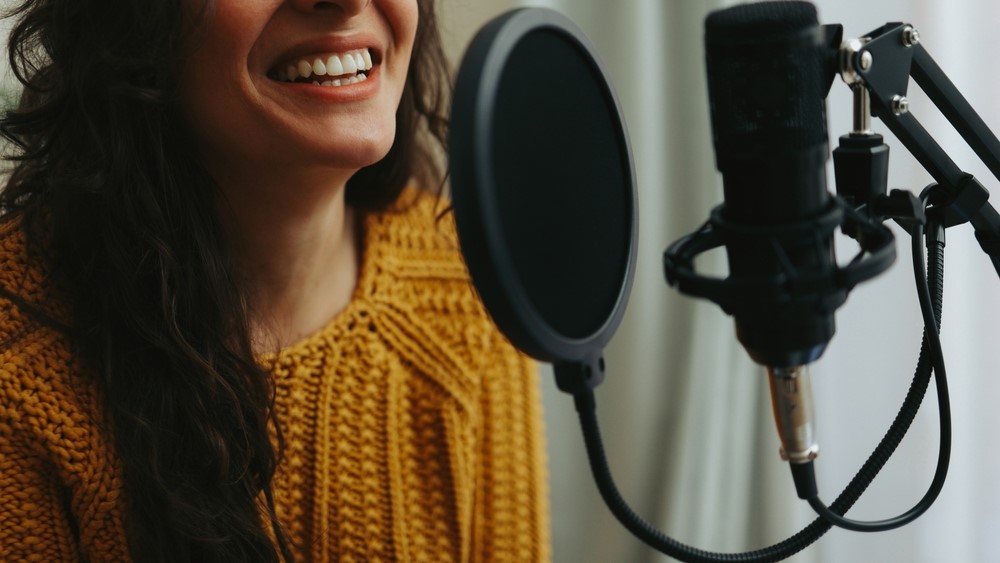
[412, 428]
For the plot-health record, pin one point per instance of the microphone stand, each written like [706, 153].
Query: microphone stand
[882, 65]
[878, 68]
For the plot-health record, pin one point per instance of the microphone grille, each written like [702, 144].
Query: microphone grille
[765, 78]
[760, 19]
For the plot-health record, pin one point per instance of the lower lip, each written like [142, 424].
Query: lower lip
[340, 94]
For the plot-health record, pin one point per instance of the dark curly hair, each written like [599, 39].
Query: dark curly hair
[103, 174]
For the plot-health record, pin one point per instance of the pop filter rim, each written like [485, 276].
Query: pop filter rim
[471, 165]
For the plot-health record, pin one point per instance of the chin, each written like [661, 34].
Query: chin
[356, 151]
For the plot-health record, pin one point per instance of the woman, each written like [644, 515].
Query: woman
[228, 330]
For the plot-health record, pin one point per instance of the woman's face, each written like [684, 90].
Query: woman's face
[296, 84]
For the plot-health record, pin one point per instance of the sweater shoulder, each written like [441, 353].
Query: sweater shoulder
[417, 236]
[412, 253]
[38, 383]
[416, 268]
[55, 448]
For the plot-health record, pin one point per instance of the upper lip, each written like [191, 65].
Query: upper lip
[330, 44]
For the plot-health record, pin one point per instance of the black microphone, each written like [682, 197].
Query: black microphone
[767, 96]
[767, 100]
[770, 66]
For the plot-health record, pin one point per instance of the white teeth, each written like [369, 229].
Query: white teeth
[305, 69]
[334, 67]
[342, 81]
[350, 65]
[354, 63]
[319, 68]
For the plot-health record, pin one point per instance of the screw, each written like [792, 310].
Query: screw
[900, 105]
[866, 60]
[910, 36]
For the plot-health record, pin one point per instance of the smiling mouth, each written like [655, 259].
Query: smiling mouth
[330, 69]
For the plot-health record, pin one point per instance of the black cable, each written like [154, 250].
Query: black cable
[932, 326]
[586, 409]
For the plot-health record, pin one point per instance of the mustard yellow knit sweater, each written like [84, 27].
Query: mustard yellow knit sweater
[413, 428]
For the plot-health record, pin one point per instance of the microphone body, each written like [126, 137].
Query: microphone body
[770, 66]
[767, 89]
[767, 95]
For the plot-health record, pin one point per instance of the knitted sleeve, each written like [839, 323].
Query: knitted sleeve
[59, 485]
[33, 525]
[511, 511]
[34, 522]
[33, 507]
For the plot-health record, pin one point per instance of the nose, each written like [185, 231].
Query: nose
[346, 7]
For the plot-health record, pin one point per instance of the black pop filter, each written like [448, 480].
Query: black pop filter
[543, 185]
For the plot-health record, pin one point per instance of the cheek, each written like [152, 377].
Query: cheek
[207, 104]
[411, 31]
[218, 49]
[402, 16]
[213, 78]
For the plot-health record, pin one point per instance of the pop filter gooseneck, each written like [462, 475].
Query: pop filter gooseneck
[543, 189]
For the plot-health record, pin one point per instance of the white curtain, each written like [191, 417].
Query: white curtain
[684, 413]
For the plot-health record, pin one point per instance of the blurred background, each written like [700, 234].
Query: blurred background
[684, 412]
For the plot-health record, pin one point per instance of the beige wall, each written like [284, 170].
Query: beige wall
[460, 19]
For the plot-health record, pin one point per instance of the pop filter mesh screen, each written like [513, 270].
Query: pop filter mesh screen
[561, 168]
